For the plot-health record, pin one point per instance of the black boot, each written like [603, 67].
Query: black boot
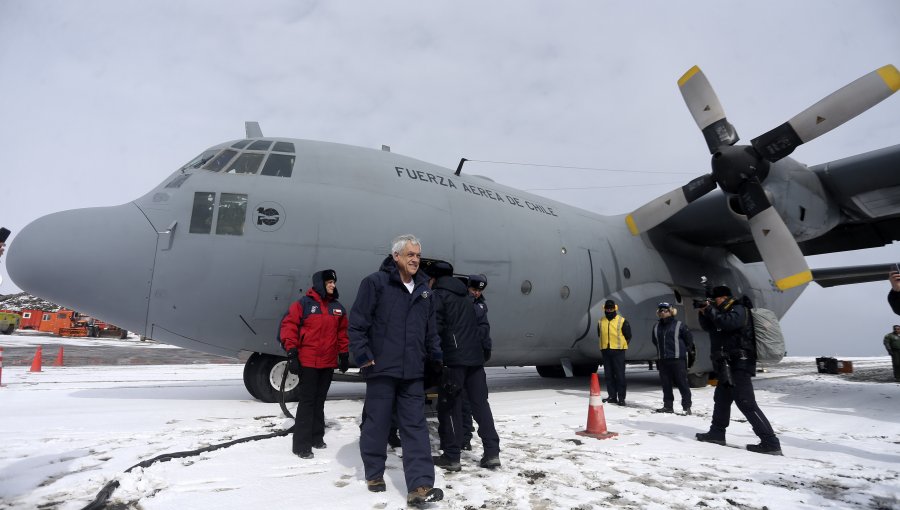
[765, 448]
[709, 437]
[664, 409]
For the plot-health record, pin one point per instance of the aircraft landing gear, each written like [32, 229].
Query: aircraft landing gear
[262, 378]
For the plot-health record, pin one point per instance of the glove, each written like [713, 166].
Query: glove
[293, 362]
[448, 387]
[435, 367]
[691, 356]
[487, 355]
[343, 361]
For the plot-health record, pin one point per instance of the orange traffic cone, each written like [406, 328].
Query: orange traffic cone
[36, 363]
[596, 424]
[59, 358]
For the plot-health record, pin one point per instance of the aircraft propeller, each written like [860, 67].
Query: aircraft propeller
[741, 169]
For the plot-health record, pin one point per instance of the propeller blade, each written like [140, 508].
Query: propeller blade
[829, 113]
[776, 244]
[703, 104]
[662, 208]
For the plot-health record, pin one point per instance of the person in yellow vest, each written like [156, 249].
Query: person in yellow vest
[614, 332]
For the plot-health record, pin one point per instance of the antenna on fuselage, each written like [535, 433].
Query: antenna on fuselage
[253, 130]
[459, 168]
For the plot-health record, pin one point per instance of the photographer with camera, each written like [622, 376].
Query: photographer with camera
[465, 346]
[733, 353]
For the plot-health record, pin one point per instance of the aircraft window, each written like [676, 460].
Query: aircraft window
[526, 287]
[246, 163]
[279, 165]
[283, 147]
[241, 144]
[220, 161]
[232, 214]
[201, 159]
[202, 213]
[178, 181]
[260, 145]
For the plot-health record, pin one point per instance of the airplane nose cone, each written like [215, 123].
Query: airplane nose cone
[97, 261]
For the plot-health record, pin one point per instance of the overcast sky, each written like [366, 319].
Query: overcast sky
[101, 100]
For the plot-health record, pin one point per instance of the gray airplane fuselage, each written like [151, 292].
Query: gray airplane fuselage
[223, 288]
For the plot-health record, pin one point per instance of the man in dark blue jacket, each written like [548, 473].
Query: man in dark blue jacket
[673, 341]
[464, 346]
[733, 353]
[392, 335]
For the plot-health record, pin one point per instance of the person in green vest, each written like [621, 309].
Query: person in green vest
[614, 332]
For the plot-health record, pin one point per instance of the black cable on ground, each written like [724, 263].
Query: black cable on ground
[107, 490]
[105, 493]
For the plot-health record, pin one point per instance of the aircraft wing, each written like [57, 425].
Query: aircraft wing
[864, 188]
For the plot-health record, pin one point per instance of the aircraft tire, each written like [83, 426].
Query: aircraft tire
[262, 378]
[700, 380]
[584, 370]
[249, 372]
[551, 371]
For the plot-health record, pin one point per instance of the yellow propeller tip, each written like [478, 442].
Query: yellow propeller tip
[688, 75]
[891, 77]
[632, 227]
[796, 280]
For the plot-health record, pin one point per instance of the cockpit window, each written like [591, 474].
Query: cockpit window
[260, 145]
[201, 159]
[283, 147]
[219, 162]
[232, 213]
[247, 157]
[279, 165]
[202, 212]
[246, 163]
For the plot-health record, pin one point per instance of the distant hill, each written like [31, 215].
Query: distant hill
[17, 302]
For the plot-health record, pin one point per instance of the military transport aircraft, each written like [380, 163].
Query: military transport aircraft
[211, 258]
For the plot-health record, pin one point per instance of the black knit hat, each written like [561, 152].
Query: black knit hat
[721, 291]
[437, 268]
[609, 304]
[477, 281]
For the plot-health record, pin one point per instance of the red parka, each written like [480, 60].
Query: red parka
[323, 333]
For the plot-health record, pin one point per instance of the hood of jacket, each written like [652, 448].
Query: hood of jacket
[390, 267]
[451, 284]
[319, 287]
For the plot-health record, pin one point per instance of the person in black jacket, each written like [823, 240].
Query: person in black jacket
[733, 353]
[673, 341]
[464, 346]
[392, 335]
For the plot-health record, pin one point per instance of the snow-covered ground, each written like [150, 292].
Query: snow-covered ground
[65, 432]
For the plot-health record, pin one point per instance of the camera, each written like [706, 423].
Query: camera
[700, 303]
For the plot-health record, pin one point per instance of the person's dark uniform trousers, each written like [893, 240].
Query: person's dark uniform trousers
[392, 335]
[614, 332]
[733, 354]
[464, 345]
[476, 283]
[314, 334]
[673, 341]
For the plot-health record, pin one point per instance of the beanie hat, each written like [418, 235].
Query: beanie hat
[609, 304]
[329, 274]
[437, 268]
[721, 291]
[477, 281]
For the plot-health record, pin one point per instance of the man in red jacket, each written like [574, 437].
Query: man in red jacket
[314, 334]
